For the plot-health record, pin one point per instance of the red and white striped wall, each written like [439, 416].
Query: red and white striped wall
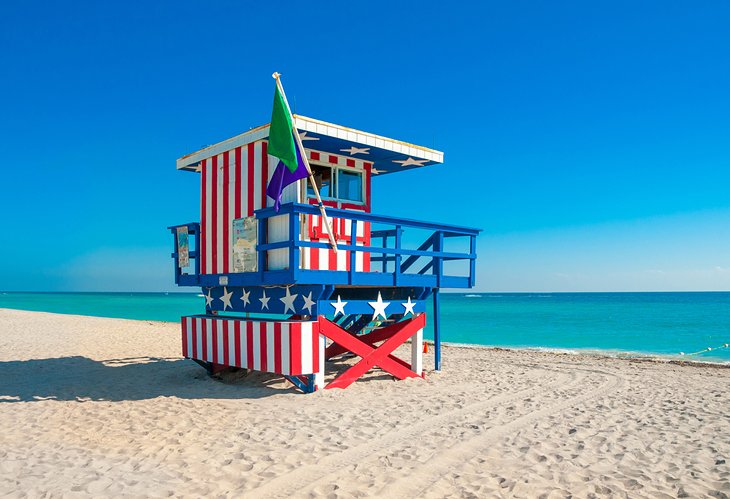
[233, 185]
[289, 348]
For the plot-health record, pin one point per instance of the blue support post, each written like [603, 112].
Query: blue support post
[353, 254]
[294, 247]
[262, 239]
[436, 331]
[397, 270]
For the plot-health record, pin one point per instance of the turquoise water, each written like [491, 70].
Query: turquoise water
[633, 323]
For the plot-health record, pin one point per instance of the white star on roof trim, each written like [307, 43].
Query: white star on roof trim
[303, 136]
[356, 150]
[288, 301]
[208, 299]
[339, 306]
[379, 307]
[264, 300]
[308, 302]
[408, 306]
[226, 298]
[410, 161]
[245, 299]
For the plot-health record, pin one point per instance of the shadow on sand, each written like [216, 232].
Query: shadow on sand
[83, 379]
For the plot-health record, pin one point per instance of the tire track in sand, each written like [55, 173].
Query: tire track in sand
[452, 458]
[308, 476]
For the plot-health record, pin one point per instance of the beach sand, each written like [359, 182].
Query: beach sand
[107, 407]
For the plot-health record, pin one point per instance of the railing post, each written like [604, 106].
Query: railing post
[385, 259]
[436, 330]
[353, 253]
[196, 228]
[176, 256]
[396, 271]
[293, 246]
[472, 261]
[438, 262]
[262, 239]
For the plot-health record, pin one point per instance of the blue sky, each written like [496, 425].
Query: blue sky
[590, 140]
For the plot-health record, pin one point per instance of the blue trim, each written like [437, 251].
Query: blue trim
[436, 330]
[429, 256]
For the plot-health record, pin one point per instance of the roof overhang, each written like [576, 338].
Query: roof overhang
[386, 155]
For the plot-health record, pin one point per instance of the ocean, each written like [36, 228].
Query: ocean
[623, 324]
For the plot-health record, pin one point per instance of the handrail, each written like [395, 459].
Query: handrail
[364, 217]
[396, 260]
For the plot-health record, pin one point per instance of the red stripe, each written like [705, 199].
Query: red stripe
[214, 213]
[203, 216]
[366, 242]
[226, 346]
[237, 185]
[185, 337]
[333, 159]
[204, 339]
[237, 342]
[313, 252]
[368, 177]
[262, 346]
[226, 210]
[295, 348]
[315, 349]
[264, 173]
[351, 162]
[249, 345]
[249, 185]
[195, 338]
[277, 347]
[332, 259]
[315, 156]
[214, 340]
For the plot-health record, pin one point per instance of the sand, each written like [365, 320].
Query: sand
[107, 407]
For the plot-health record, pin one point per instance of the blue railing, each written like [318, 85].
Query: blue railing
[431, 254]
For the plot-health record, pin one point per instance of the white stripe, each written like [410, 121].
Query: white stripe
[257, 176]
[199, 337]
[209, 340]
[231, 204]
[244, 348]
[222, 326]
[319, 377]
[270, 366]
[285, 367]
[189, 326]
[342, 257]
[208, 212]
[219, 215]
[307, 348]
[244, 182]
[232, 343]
[256, 347]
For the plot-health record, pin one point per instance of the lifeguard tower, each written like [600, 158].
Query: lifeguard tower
[279, 299]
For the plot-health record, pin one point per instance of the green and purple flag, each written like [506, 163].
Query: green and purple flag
[283, 146]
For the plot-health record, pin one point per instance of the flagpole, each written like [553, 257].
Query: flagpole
[303, 153]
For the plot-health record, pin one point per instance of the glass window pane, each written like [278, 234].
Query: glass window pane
[349, 186]
[323, 177]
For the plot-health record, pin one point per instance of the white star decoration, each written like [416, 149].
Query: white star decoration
[303, 136]
[308, 303]
[226, 298]
[339, 306]
[410, 161]
[245, 299]
[208, 299]
[356, 150]
[288, 301]
[408, 306]
[379, 307]
[264, 300]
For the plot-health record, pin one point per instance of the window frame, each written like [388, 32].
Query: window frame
[335, 183]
